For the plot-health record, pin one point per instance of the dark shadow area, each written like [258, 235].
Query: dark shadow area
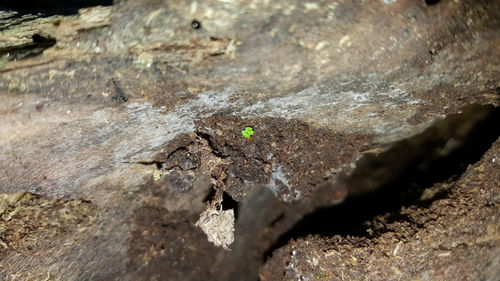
[39, 44]
[386, 182]
[431, 2]
[50, 7]
[21, 12]
[229, 203]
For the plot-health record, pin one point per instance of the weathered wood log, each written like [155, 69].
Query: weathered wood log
[117, 123]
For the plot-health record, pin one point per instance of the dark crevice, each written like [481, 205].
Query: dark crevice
[211, 144]
[229, 203]
[384, 183]
[210, 196]
[40, 42]
[43, 40]
[431, 2]
[158, 164]
[277, 220]
[173, 167]
[161, 165]
[46, 8]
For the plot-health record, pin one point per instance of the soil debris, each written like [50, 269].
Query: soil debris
[454, 236]
[26, 218]
[288, 156]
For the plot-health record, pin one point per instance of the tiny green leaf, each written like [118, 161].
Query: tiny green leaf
[247, 133]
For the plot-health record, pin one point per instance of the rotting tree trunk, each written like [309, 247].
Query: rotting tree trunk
[118, 121]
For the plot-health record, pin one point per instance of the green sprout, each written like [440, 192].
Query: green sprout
[247, 133]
